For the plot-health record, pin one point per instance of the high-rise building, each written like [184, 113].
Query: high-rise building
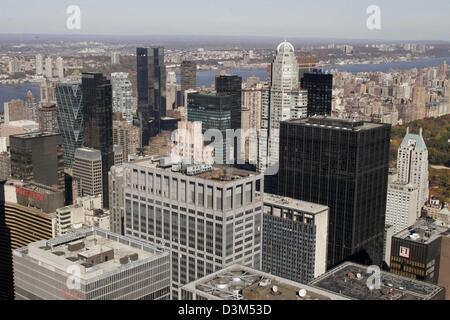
[228, 85]
[412, 165]
[251, 118]
[189, 144]
[6, 262]
[100, 265]
[238, 282]
[38, 157]
[5, 165]
[208, 217]
[121, 94]
[115, 58]
[15, 110]
[87, 169]
[98, 124]
[342, 164]
[30, 211]
[277, 103]
[416, 251]
[39, 65]
[118, 155]
[69, 101]
[306, 64]
[357, 282]
[49, 67]
[294, 238]
[171, 92]
[47, 118]
[60, 67]
[151, 90]
[214, 112]
[401, 206]
[126, 135]
[188, 75]
[319, 86]
[116, 199]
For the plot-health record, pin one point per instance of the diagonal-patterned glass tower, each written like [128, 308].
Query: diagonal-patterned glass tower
[70, 118]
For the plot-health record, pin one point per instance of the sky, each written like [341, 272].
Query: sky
[344, 19]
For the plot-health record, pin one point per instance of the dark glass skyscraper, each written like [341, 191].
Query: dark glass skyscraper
[98, 131]
[232, 86]
[188, 75]
[214, 112]
[151, 90]
[69, 101]
[342, 164]
[320, 95]
[38, 157]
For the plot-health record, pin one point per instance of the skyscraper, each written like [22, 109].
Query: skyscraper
[87, 169]
[278, 102]
[208, 217]
[38, 157]
[319, 86]
[294, 238]
[214, 112]
[412, 165]
[188, 75]
[151, 90]
[98, 131]
[342, 164]
[232, 86]
[47, 118]
[69, 101]
[122, 92]
[39, 65]
[60, 67]
[49, 67]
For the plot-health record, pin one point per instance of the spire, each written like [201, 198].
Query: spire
[421, 131]
[407, 130]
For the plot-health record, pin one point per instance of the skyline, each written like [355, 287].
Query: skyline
[289, 19]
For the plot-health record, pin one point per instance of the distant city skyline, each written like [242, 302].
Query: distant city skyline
[345, 19]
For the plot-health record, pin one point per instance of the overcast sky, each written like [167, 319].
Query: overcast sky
[401, 19]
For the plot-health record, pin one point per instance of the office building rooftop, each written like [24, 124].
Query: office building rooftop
[351, 280]
[423, 231]
[336, 123]
[242, 283]
[309, 207]
[204, 171]
[97, 252]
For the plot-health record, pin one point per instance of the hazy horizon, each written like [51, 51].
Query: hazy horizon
[408, 20]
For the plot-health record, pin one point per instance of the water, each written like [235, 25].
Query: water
[206, 77]
[19, 91]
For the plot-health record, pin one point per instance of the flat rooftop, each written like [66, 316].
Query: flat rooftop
[307, 207]
[423, 231]
[97, 252]
[207, 172]
[242, 283]
[350, 280]
[34, 135]
[337, 123]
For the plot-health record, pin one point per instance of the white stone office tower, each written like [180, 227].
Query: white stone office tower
[284, 97]
[39, 65]
[401, 206]
[412, 165]
[208, 219]
[49, 67]
[91, 264]
[60, 67]
[87, 169]
[122, 92]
